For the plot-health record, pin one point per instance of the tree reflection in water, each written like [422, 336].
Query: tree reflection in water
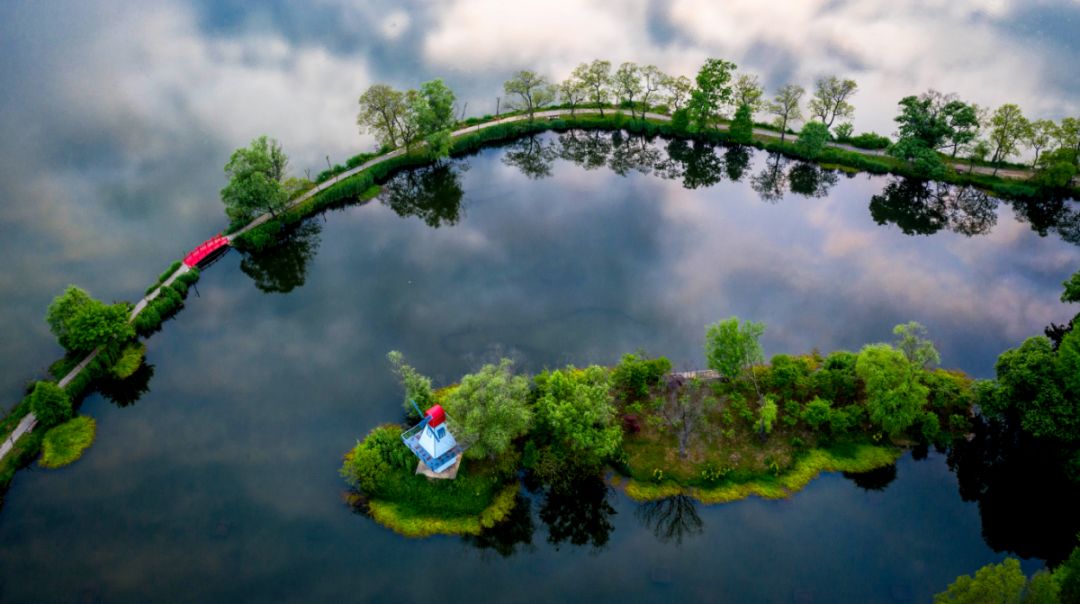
[588, 149]
[283, 267]
[1027, 503]
[874, 480]
[811, 180]
[532, 155]
[922, 207]
[510, 536]
[671, 519]
[632, 153]
[129, 390]
[736, 160]
[771, 183]
[579, 513]
[431, 193]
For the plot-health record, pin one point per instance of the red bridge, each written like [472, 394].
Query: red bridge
[204, 249]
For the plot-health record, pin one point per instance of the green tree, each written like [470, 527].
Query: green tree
[572, 92]
[596, 78]
[1067, 135]
[994, 583]
[81, 323]
[50, 404]
[678, 91]
[490, 409]
[785, 106]
[533, 91]
[1072, 289]
[434, 109]
[918, 349]
[812, 139]
[255, 176]
[381, 110]
[1038, 135]
[830, 100]
[1007, 128]
[1055, 169]
[742, 127]
[1067, 576]
[1030, 386]
[963, 122]
[894, 396]
[627, 82]
[817, 412]
[712, 91]
[732, 346]
[575, 414]
[1042, 589]
[417, 386]
[747, 91]
[653, 82]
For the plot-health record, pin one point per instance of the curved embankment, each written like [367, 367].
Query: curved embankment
[863, 458]
[28, 422]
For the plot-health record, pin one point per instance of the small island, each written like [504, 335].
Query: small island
[741, 428]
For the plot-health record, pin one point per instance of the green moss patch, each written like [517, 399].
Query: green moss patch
[65, 443]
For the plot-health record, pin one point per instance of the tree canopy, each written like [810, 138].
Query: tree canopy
[50, 404]
[731, 346]
[575, 411]
[595, 77]
[785, 106]
[381, 111]
[255, 176]
[417, 386]
[712, 91]
[830, 100]
[1002, 583]
[812, 139]
[490, 409]
[81, 323]
[532, 91]
[434, 109]
[894, 396]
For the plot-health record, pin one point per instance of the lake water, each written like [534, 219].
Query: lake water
[220, 480]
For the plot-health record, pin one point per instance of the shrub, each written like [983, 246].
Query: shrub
[50, 404]
[371, 464]
[869, 140]
[817, 413]
[168, 272]
[790, 377]
[635, 375]
[65, 443]
[792, 412]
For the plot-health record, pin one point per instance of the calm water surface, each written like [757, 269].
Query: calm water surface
[220, 481]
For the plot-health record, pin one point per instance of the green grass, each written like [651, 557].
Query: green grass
[64, 444]
[403, 518]
[768, 485]
[130, 360]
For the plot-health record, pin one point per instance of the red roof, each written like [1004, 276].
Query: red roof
[436, 414]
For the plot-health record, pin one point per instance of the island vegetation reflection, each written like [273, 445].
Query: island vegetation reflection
[1000, 467]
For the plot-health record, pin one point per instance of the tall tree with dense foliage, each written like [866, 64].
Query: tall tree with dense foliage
[785, 106]
[627, 82]
[381, 110]
[532, 91]
[81, 323]
[433, 106]
[50, 404]
[1034, 385]
[712, 91]
[830, 100]
[1007, 128]
[256, 174]
[575, 413]
[596, 78]
[894, 396]
[812, 139]
[490, 409]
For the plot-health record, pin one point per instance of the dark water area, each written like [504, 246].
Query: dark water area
[214, 474]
